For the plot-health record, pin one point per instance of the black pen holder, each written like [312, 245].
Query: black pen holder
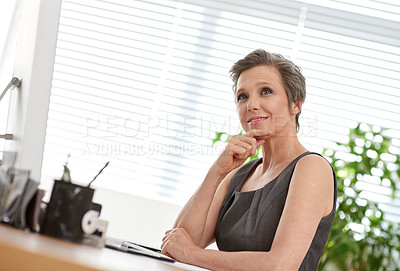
[68, 204]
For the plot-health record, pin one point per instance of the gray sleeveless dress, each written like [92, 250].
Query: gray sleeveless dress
[248, 220]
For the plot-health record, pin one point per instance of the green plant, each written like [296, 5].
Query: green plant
[361, 238]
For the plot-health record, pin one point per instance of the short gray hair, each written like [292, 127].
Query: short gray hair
[293, 80]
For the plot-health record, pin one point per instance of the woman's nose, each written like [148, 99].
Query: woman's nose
[253, 103]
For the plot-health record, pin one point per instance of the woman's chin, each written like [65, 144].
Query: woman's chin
[260, 128]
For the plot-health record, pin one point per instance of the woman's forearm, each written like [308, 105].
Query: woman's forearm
[193, 217]
[240, 260]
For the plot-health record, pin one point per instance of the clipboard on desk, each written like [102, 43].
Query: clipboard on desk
[129, 247]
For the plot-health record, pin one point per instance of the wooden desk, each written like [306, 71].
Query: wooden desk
[20, 250]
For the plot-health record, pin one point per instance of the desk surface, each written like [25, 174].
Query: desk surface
[22, 250]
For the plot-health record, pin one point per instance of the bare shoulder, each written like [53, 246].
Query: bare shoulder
[313, 178]
[314, 165]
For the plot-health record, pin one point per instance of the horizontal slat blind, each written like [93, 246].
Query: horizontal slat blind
[145, 84]
[352, 65]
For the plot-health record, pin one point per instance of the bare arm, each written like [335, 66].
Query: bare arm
[310, 198]
[200, 214]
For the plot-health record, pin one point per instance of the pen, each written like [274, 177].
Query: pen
[101, 170]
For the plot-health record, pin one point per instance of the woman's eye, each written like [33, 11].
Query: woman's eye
[241, 97]
[266, 91]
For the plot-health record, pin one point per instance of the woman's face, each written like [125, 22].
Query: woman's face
[262, 102]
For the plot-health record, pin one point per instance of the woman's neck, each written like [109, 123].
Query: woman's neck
[279, 151]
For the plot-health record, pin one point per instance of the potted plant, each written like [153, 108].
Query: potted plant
[361, 238]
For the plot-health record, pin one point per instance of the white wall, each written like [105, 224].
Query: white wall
[34, 61]
[9, 18]
[135, 218]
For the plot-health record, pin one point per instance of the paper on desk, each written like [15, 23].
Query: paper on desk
[133, 248]
[146, 251]
[117, 242]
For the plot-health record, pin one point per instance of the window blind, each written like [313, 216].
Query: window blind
[145, 84]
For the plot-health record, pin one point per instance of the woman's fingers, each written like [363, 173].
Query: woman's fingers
[178, 245]
[241, 145]
[239, 148]
[166, 234]
[249, 142]
[260, 142]
[165, 241]
[259, 135]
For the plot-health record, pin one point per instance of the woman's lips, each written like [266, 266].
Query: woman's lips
[254, 120]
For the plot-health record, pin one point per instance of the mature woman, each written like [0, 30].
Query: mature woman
[274, 213]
